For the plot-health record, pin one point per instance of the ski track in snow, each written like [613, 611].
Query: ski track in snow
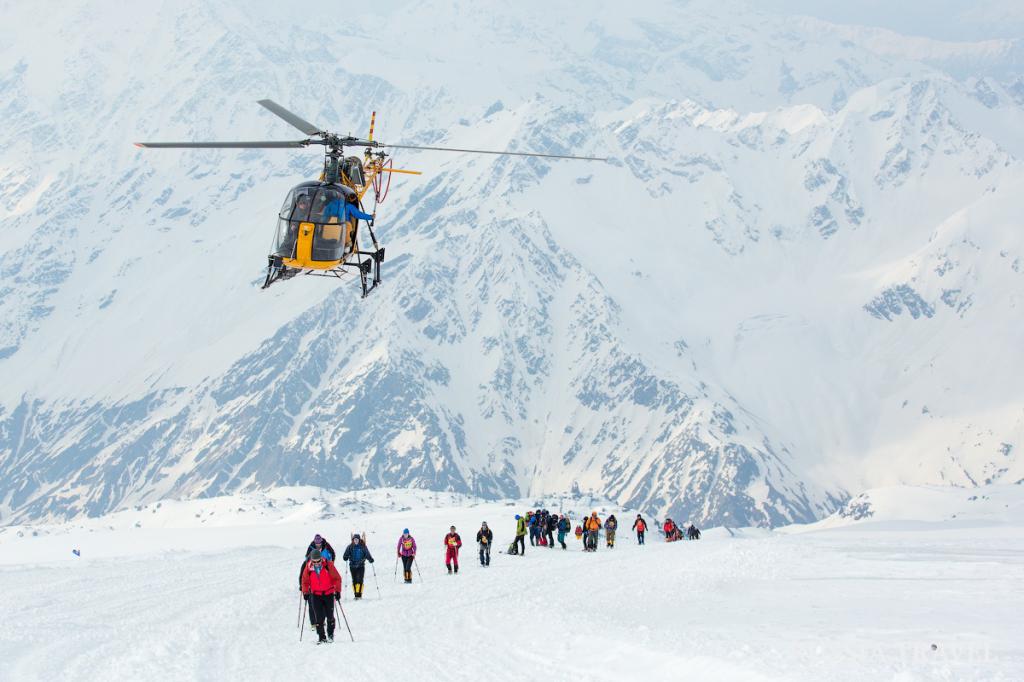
[844, 604]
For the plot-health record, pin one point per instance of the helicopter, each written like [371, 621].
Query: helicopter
[318, 225]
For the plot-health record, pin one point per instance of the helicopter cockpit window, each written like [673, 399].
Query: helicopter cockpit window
[301, 206]
[286, 207]
[285, 238]
[296, 205]
[294, 210]
[329, 235]
[321, 202]
[329, 242]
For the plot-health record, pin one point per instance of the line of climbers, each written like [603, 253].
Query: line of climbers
[541, 525]
[320, 582]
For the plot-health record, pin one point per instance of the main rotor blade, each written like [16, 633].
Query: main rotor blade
[224, 145]
[300, 123]
[488, 151]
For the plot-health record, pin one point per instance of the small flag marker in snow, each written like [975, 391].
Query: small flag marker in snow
[76, 552]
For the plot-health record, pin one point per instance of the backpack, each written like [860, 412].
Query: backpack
[513, 548]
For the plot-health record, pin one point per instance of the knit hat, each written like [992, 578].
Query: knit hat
[315, 555]
[317, 539]
[405, 531]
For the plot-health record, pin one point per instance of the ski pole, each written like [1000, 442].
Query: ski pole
[301, 618]
[343, 617]
[301, 600]
[375, 583]
[417, 565]
[396, 568]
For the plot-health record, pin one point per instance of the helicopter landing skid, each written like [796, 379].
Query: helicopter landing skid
[277, 270]
[369, 270]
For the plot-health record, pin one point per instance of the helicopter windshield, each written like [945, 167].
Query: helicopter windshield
[297, 204]
[324, 206]
[294, 210]
[285, 238]
[328, 204]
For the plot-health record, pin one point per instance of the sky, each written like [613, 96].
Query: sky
[956, 20]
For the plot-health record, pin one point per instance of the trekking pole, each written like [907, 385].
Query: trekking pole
[417, 565]
[396, 569]
[338, 604]
[301, 618]
[301, 600]
[375, 583]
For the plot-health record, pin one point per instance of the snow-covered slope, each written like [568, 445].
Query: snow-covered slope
[163, 594]
[928, 505]
[796, 279]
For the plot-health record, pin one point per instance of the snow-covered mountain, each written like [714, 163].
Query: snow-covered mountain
[796, 279]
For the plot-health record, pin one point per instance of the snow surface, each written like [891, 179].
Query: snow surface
[206, 589]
